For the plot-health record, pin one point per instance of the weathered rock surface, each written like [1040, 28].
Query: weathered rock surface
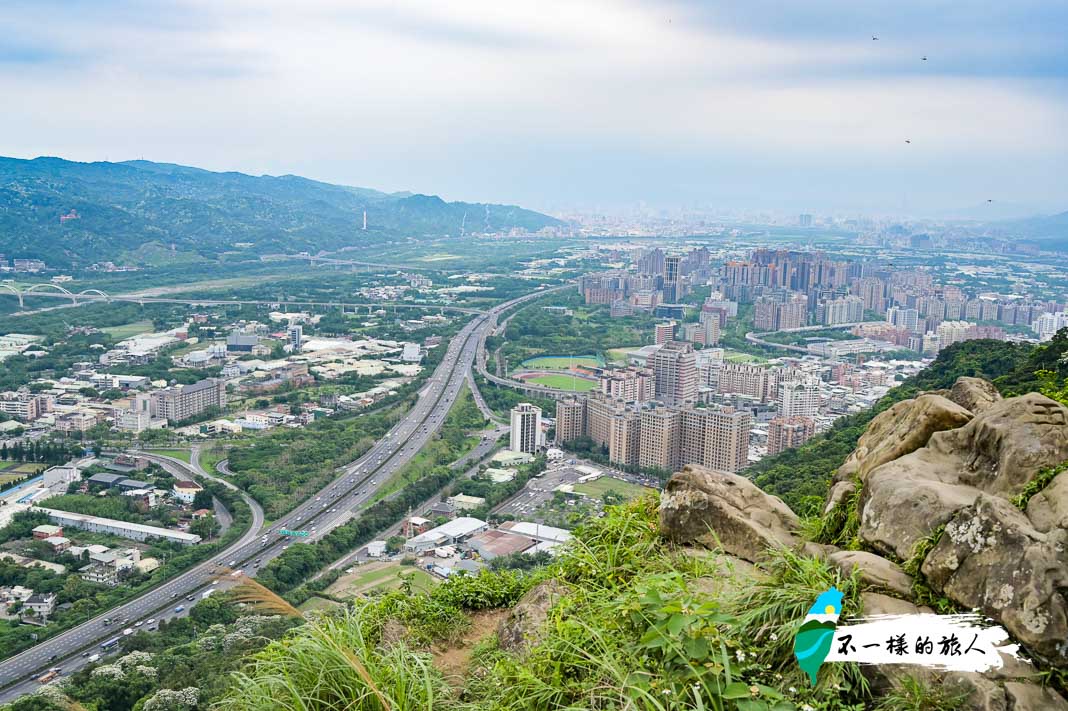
[1048, 509]
[523, 626]
[998, 452]
[974, 394]
[1031, 697]
[1002, 449]
[875, 571]
[991, 558]
[722, 510]
[879, 604]
[904, 506]
[903, 428]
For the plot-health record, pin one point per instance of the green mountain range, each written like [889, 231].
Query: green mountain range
[137, 211]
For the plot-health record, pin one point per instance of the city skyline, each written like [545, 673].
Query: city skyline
[592, 106]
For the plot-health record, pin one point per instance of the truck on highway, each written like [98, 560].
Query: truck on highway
[47, 676]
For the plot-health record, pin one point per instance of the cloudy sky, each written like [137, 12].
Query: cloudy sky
[560, 103]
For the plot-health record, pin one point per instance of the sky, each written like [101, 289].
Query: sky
[563, 104]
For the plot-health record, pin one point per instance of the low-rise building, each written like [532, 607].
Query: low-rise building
[186, 491]
[124, 529]
[496, 543]
[455, 531]
[463, 502]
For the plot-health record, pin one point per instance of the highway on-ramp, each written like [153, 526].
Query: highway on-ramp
[355, 485]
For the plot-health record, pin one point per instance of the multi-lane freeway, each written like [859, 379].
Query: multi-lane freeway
[333, 505]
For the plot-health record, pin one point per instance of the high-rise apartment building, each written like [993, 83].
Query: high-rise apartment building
[755, 381]
[296, 337]
[659, 433]
[872, 291]
[903, 318]
[675, 371]
[526, 428]
[570, 419]
[789, 432]
[849, 309]
[181, 402]
[628, 384]
[658, 437]
[799, 398]
[664, 332]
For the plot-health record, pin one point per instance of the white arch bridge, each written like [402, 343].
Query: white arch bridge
[50, 290]
[57, 290]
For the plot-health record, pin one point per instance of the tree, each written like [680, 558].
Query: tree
[394, 544]
[205, 527]
[203, 500]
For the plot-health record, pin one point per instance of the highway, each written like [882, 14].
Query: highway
[332, 506]
[83, 298]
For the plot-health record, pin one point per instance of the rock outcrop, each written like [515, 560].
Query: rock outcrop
[1010, 564]
[875, 571]
[721, 510]
[991, 558]
[903, 428]
[522, 627]
[974, 394]
[998, 452]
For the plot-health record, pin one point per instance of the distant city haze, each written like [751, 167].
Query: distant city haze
[954, 110]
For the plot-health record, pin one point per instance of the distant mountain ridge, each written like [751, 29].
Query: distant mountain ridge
[122, 211]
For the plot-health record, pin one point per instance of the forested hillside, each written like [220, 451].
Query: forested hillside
[801, 476]
[139, 211]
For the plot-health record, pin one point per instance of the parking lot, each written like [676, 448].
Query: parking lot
[570, 472]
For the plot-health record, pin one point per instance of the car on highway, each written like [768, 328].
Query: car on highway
[127, 632]
[179, 608]
[139, 623]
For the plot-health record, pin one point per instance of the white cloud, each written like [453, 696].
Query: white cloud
[405, 92]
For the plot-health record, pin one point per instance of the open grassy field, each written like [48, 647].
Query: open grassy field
[22, 468]
[182, 454]
[380, 576]
[561, 362]
[739, 357]
[596, 488]
[619, 355]
[129, 329]
[8, 477]
[317, 603]
[563, 382]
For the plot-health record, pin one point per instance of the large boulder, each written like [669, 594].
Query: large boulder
[904, 427]
[722, 510]
[874, 571]
[997, 452]
[902, 505]
[1031, 697]
[974, 394]
[523, 626]
[990, 558]
[1002, 449]
[1048, 509]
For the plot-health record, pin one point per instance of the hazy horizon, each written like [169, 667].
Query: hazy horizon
[563, 105]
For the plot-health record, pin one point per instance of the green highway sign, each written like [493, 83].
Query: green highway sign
[287, 532]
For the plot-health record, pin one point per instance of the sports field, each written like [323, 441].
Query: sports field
[739, 357]
[561, 362]
[128, 330]
[563, 382]
[379, 576]
[596, 488]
